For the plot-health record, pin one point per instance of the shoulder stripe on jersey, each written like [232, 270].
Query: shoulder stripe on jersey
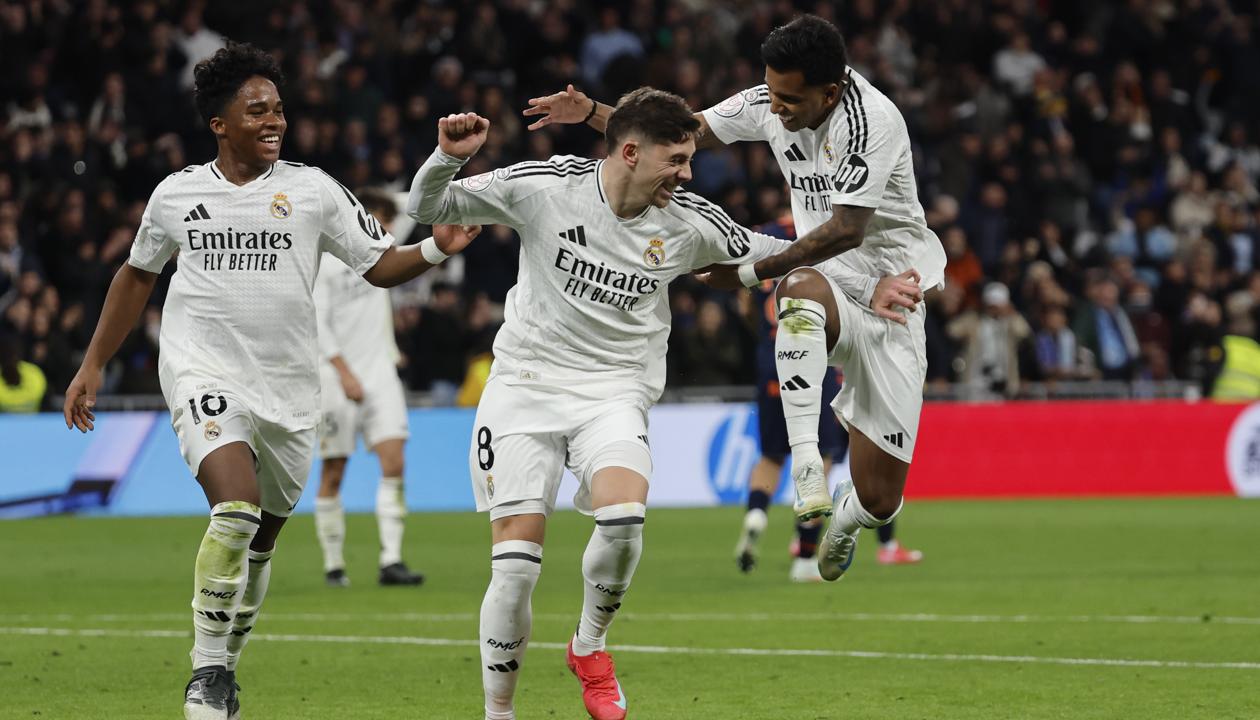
[293, 164]
[557, 165]
[847, 100]
[862, 120]
[599, 182]
[717, 220]
[531, 172]
[216, 172]
[269, 171]
[759, 102]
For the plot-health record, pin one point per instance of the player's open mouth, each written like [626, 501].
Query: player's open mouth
[271, 141]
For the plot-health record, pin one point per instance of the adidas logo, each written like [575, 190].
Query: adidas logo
[794, 153]
[796, 383]
[197, 213]
[575, 235]
[644, 438]
[895, 439]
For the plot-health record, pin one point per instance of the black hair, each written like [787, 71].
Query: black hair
[808, 44]
[655, 115]
[221, 75]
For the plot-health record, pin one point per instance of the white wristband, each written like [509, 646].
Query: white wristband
[748, 275]
[431, 253]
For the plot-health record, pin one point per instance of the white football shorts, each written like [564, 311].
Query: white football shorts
[206, 420]
[526, 433]
[382, 415]
[885, 365]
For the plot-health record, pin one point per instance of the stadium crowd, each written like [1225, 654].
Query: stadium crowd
[1091, 168]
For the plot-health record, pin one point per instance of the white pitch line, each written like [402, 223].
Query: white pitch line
[659, 649]
[686, 617]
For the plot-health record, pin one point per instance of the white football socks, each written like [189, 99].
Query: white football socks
[800, 351]
[506, 616]
[330, 527]
[251, 602]
[219, 579]
[390, 511]
[852, 515]
[607, 566]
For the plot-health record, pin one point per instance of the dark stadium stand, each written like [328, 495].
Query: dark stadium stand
[1091, 170]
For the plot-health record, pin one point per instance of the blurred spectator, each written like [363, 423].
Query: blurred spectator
[1059, 357]
[709, 353]
[991, 340]
[22, 384]
[1103, 326]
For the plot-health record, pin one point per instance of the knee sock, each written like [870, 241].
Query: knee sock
[506, 617]
[886, 532]
[330, 526]
[807, 534]
[800, 351]
[853, 516]
[607, 567]
[251, 602]
[758, 500]
[219, 579]
[390, 511]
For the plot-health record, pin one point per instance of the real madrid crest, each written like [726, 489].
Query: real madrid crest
[490, 486]
[212, 430]
[655, 254]
[281, 207]
[831, 155]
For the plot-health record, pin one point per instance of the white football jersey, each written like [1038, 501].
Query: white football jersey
[356, 321]
[591, 302]
[859, 156]
[239, 314]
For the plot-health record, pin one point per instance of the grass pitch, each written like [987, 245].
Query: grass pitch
[1037, 609]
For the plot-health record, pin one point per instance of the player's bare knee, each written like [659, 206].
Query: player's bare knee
[268, 531]
[809, 284]
[390, 454]
[330, 477]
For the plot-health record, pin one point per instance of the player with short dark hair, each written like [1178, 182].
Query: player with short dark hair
[845, 151]
[579, 360]
[237, 357]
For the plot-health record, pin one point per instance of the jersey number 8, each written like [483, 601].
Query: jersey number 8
[485, 455]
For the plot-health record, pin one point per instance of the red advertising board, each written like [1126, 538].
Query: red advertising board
[1086, 448]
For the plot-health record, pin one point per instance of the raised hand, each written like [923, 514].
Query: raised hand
[894, 292]
[566, 107]
[451, 239]
[81, 399]
[462, 135]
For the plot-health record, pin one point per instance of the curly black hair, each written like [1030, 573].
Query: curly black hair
[219, 76]
[808, 44]
[655, 115]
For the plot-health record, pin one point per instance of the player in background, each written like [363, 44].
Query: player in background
[833, 444]
[237, 359]
[845, 150]
[579, 360]
[361, 395]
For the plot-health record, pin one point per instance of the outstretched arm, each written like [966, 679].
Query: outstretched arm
[124, 302]
[397, 265]
[572, 106]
